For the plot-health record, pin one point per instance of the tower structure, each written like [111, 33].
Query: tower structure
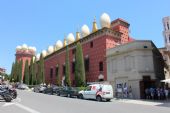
[123, 27]
[166, 50]
[166, 32]
[24, 53]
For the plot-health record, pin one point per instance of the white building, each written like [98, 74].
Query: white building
[137, 64]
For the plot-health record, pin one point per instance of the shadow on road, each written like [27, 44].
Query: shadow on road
[165, 104]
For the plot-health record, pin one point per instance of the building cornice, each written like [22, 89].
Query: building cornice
[123, 52]
[99, 33]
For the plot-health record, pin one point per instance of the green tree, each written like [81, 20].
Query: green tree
[20, 70]
[16, 71]
[42, 74]
[26, 73]
[67, 70]
[58, 82]
[12, 72]
[38, 77]
[31, 72]
[34, 73]
[79, 67]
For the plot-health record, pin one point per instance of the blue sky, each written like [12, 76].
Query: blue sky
[41, 23]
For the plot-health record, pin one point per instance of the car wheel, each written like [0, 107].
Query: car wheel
[14, 95]
[7, 98]
[108, 100]
[81, 96]
[98, 98]
[69, 95]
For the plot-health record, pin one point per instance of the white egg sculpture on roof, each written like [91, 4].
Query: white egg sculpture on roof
[34, 49]
[30, 48]
[38, 56]
[70, 38]
[85, 30]
[50, 49]
[24, 46]
[58, 44]
[44, 53]
[105, 20]
[18, 48]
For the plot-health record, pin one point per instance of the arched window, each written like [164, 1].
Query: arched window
[87, 63]
[51, 72]
[168, 26]
[101, 66]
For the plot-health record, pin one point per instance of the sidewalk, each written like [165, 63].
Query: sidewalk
[162, 103]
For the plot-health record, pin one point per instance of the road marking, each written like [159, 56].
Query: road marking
[18, 99]
[140, 102]
[26, 108]
[21, 106]
[8, 104]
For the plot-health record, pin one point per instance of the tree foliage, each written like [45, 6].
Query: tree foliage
[41, 70]
[12, 72]
[20, 70]
[34, 81]
[31, 72]
[26, 73]
[79, 67]
[67, 64]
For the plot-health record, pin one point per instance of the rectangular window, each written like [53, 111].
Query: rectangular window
[168, 26]
[56, 70]
[91, 44]
[166, 40]
[73, 67]
[73, 51]
[145, 46]
[101, 66]
[64, 70]
[51, 73]
[87, 62]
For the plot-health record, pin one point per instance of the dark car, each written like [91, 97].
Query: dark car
[48, 90]
[39, 88]
[68, 92]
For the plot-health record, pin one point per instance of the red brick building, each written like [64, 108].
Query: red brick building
[94, 48]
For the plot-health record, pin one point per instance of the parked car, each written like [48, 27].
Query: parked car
[39, 88]
[22, 86]
[68, 92]
[97, 92]
[48, 90]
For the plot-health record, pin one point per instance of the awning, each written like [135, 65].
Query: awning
[166, 80]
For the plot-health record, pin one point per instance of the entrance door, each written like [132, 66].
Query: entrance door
[146, 83]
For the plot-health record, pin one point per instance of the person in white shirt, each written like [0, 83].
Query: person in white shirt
[166, 93]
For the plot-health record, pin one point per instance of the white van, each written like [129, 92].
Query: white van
[98, 92]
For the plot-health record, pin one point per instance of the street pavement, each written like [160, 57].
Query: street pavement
[30, 102]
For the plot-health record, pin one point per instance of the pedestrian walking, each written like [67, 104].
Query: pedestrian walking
[130, 92]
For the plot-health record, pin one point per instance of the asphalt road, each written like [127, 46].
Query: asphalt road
[30, 102]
